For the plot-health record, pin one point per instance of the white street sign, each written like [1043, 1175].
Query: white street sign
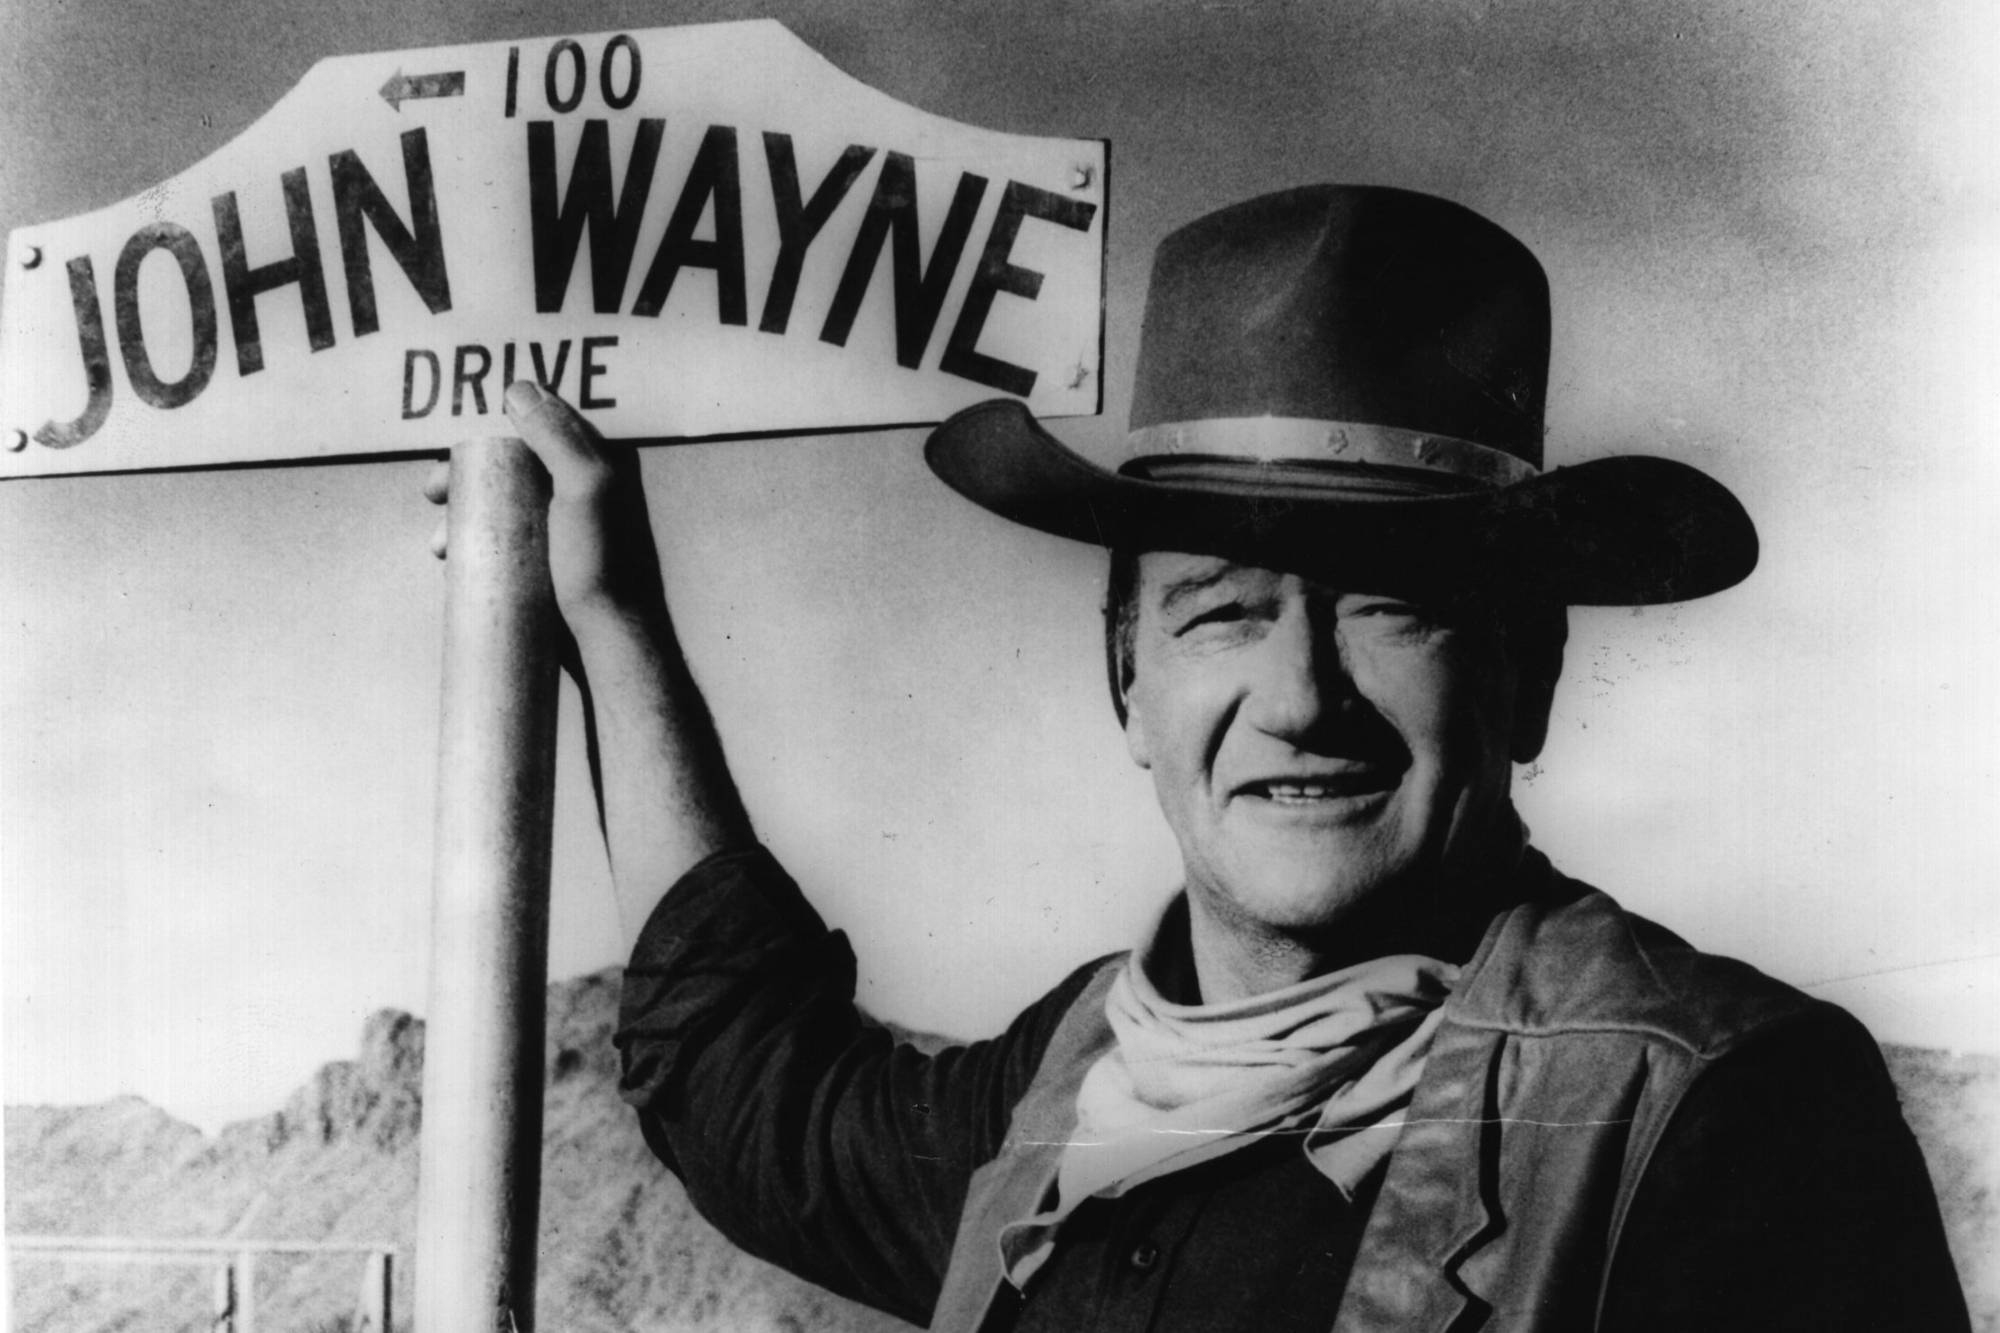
[686, 231]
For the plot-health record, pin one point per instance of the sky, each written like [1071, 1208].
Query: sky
[1770, 233]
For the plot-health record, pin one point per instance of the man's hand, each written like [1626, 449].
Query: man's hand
[664, 790]
[602, 560]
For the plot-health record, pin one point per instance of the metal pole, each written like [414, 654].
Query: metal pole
[479, 1188]
[245, 1292]
[225, 1300]
[378, 1278]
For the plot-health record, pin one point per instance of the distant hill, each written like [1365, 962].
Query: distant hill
[1953, 1105]
[620, 1247]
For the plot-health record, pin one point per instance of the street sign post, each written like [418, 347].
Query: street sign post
[479, 1183]
[690, 232]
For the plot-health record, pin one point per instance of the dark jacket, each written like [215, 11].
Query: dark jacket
[1613, 1131]
[1574, 1037]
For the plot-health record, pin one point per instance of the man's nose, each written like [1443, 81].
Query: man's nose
[1302, 681]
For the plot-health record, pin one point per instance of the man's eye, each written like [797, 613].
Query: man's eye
[1386, 615]
[1225, 613]
[1365, 607]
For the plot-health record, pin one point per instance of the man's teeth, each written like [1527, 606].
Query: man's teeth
[1299, 791]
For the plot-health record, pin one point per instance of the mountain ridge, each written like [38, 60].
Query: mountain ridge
[620, 1246]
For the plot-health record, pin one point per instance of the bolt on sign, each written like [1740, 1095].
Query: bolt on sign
[687, 232]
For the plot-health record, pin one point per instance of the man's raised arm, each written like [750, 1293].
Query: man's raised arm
[663, 786]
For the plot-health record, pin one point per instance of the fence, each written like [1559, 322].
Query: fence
[236, 1272]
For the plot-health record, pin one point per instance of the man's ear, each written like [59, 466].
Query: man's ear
[1538, 658]
[1138, 743]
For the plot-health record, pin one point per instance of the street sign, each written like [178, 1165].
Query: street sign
[687, 232]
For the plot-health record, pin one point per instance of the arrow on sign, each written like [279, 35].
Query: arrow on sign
[399, 88]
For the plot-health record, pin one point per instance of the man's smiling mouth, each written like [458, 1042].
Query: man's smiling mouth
[1321, 788]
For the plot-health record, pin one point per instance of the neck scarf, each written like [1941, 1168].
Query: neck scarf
[1333, 1059]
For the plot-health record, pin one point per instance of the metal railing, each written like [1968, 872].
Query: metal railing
[236, 1272]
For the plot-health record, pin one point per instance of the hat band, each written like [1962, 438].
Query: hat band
[1299, 439]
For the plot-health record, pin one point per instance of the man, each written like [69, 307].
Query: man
[1379, 1065]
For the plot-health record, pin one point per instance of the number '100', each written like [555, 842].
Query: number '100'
[566, 75]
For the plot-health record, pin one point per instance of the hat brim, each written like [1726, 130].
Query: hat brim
[1622, 531]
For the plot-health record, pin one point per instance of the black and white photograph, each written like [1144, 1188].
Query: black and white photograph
[1175, 665]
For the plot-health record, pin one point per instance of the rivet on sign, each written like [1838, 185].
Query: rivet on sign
[17, 440]
[1081, 175]
[33, 257]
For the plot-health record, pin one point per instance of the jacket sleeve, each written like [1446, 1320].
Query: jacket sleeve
[802, 1130]
[1787, 1193]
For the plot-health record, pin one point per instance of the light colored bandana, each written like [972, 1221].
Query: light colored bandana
[1333, 1059]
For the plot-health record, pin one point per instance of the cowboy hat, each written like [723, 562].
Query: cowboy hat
[1349, 381]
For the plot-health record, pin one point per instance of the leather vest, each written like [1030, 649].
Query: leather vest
[1573, 1034]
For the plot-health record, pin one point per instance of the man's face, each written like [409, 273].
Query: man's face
[1312, 748]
